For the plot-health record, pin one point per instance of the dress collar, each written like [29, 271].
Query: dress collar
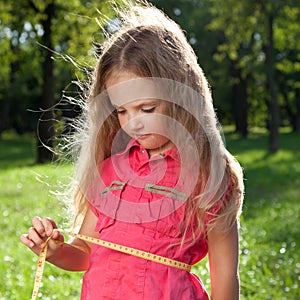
[134, 144]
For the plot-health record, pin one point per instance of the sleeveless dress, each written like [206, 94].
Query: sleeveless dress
[139, 203]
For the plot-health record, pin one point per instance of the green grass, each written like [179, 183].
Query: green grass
[27, 190]
[270, 226]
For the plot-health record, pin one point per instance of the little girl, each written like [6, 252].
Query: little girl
[152, 174]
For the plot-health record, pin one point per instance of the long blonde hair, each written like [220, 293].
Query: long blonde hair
[149, 44]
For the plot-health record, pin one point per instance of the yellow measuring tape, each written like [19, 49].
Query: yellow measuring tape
[117, 247]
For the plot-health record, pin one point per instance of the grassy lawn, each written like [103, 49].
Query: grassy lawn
[270, 225]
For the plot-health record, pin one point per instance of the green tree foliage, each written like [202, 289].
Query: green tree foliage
[261, 28]
[249, 50]
[43, 46]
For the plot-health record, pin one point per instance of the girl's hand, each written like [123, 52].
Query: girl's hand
[38, 234]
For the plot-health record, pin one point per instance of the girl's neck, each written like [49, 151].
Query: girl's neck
[160, 150]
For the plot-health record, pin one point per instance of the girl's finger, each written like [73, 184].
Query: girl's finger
[39, 226]
[57, 236]
[49, 225]
[26, 241]
[35, 237]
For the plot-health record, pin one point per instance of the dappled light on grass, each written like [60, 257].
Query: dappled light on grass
[26, 191]
[269, 248]
[17, 151]
[274, 263]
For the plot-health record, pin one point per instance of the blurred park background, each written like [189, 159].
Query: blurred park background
[250, 52]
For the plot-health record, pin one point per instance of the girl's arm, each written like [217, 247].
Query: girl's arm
[223, 251]
[64, 256]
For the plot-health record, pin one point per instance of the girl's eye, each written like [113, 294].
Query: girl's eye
[120, 111]
[148, 109]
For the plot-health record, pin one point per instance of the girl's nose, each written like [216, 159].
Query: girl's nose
[135, 124]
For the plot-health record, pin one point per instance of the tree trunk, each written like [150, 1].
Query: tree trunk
[240, 104]
[297, 117]
[273, 103]
[46, 123]
[293, 115]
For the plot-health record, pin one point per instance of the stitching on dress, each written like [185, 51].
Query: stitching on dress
[165, 190]
[114, 186]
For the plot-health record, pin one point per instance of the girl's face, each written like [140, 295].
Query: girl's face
[142, 119]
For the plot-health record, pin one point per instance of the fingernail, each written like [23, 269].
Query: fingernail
[49, 232]
[31, 245]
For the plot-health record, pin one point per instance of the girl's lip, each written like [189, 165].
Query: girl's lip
[142, 136]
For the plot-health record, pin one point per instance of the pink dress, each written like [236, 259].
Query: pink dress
[139, 204]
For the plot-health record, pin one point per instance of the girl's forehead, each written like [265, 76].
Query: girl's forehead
[125, 88]
[117, 77]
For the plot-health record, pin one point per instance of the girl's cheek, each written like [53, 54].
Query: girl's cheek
[122, 121]
[160, 124]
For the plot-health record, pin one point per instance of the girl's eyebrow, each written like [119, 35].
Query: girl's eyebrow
[139, 105]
